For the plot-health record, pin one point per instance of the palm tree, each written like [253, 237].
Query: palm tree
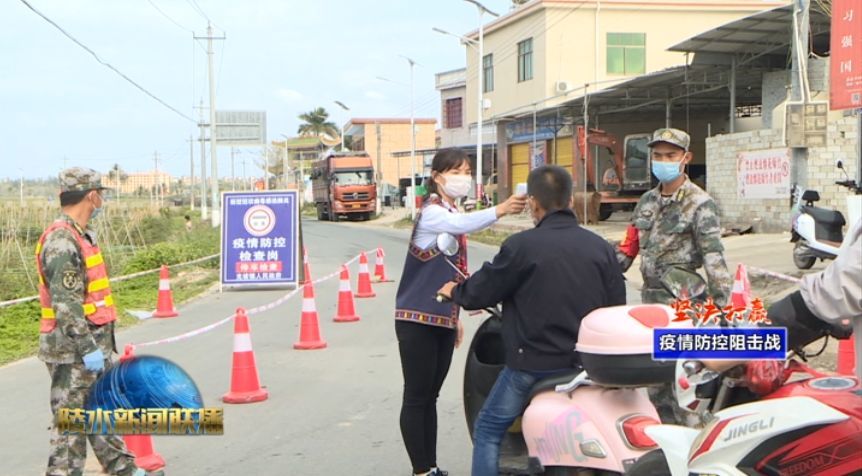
[316, 124]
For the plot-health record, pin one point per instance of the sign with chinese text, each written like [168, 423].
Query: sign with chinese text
[845, 75]
[538, 154]
[717, 343]
[260, 238]
[763, 174]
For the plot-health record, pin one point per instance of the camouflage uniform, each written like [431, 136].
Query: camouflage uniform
[682, 230]
[63, 349]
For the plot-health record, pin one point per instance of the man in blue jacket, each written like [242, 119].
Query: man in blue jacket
[548, 278]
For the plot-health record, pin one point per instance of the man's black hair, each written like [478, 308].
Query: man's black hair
[550, 186]
[72, 198]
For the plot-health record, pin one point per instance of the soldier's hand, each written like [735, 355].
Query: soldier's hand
[95, 361]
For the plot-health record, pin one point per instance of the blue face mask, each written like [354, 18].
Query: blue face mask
[666, 171]
[96, 213]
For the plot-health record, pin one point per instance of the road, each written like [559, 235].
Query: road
[330, 411]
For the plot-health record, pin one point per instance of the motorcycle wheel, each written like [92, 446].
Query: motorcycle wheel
[802, 262]
[650, 464]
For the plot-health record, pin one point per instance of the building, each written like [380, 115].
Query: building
[546, 52]
[140, 183]
[382, 137]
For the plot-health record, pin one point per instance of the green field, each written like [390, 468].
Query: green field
[133, 237]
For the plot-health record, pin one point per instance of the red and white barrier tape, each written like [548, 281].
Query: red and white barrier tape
[252, 311]
[773, 274]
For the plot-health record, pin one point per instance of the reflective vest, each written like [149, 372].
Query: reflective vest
[98, 302]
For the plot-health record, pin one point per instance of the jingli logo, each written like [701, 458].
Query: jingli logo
[749, 428]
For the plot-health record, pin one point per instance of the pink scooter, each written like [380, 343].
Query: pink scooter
[591, 420]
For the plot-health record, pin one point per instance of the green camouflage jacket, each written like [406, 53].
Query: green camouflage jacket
[682, 230]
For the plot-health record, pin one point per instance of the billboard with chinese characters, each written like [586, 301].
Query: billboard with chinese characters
[845, 85]
[763, 174]
[260, 238]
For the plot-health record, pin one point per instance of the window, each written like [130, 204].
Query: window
[453, 113]
[525, 60]
[626, 53]
[488, 72]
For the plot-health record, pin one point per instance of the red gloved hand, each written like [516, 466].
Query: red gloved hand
[764, 376]
[630, 246]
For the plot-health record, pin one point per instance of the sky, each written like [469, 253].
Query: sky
[59, 107]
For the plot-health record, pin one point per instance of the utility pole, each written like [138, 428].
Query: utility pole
[379, 175]
[213, 134]
[412, 145]
[153, 186]
[480, 91]
[244, 179]
[192, 172]
[232, 174]
[204, 214]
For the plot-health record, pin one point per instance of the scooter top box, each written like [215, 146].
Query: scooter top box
[616, 345]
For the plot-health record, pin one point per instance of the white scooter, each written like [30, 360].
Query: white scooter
[818, 232]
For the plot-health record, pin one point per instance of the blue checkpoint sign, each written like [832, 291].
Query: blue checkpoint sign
[260, 238]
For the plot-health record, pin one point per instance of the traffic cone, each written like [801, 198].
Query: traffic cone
[309, 328]
[306, 269]
[364, 289]
[740, 295]
[380, 268]
[346, 311]
[146, 457]
[846, 356]
[165, 305]
[141, 446]
[244, 383]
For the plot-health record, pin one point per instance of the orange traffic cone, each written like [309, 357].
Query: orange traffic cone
[244, 383]
[306, 268]
[141, 446]
[740, 295]
[380, 268]
[346, 311]
[165, 305]
[846, 356]
[309, 328]
[146, 457]
[364, 289]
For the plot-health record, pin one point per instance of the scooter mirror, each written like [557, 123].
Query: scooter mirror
[683, 283]
[447, 244]
[840, 164]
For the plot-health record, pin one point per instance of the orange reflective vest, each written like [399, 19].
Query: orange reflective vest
[98, 302]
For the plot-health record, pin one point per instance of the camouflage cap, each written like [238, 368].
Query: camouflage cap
[80, 179]
[671, 136]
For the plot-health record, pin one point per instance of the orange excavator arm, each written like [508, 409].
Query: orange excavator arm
[604, 139]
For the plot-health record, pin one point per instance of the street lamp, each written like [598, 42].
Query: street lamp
[341, 104]
[480, 98]
[463, 39]
[412, 138]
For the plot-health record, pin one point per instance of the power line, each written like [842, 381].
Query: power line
[168, 17]
[108, 65]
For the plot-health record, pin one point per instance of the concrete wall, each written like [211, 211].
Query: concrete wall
[774, 215]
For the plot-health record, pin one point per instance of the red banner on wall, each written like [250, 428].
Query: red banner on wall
[845, 78]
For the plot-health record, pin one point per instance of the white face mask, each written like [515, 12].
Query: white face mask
[457, 186]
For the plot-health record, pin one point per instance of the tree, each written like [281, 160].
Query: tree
[316, 124]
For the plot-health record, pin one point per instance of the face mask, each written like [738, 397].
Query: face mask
[457, 186]
[96, 211]
[666, 171]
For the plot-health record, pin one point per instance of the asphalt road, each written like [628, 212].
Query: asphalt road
[330, 411]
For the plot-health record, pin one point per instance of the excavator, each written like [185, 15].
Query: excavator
[622, 178]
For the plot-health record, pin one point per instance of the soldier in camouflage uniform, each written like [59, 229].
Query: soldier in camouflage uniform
[74, 348]
[674, 225]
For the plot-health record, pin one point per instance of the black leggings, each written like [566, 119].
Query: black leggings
[426, 352]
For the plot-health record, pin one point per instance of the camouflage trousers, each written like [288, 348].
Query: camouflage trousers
[70, 384]
[662, 396]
